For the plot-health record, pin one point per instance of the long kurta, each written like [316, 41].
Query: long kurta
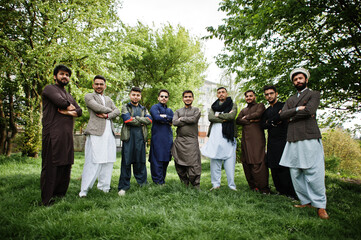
[161, 142]
[133, 150]
[277, 134]
[253, 139]
[185, 149]
[162, 136]
[57, 142]
[253, 147]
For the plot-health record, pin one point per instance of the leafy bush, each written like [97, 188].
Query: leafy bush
[339, 146]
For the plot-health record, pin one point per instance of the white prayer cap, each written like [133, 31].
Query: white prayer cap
[300, 70]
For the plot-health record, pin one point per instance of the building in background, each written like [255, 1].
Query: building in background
[207, 97]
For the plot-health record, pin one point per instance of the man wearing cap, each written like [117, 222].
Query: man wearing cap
[303, 152]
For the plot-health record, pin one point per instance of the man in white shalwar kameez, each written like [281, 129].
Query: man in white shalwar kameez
[100, 145]
[221, 145]
[303, 152]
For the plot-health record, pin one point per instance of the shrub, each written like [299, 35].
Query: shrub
[339, 146]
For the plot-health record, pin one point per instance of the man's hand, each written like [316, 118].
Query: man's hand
[67, 112]
[301, 108]
[70, 107]
[102, 115]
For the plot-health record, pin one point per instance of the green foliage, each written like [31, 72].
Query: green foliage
[265, 40]
[332, 163]
[37, 35]
[342, 152]
[167, 212]
[170, 58]
[29, 141]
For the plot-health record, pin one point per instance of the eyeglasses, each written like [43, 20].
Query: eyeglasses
[163, 96]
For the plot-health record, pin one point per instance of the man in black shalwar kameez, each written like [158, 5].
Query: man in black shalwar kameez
[277, 138]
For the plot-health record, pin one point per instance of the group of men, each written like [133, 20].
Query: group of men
[294, 149]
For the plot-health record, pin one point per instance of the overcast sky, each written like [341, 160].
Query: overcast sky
[194, 15]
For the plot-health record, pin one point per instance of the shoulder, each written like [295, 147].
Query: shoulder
[89, 95]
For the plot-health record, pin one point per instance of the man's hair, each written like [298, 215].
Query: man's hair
[249, 91]
[62, 68]
[163, 90]
[136, 89]
[187, 91]
[296, 73]
[99, 77]
[268, 87]
[221, 88]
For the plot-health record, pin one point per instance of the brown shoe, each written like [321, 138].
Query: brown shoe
[322, 213]
[303, 205]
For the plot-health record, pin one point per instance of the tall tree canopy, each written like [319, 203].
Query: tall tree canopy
[170, 58]
[264, 40]
[37, 35]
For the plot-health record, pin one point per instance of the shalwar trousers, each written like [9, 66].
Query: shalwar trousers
[54, 179]
[93, 171]
[189, 174]
[309, 184]
[158, 170]
[282, 180]
[257, 176]
[216, 171]
[139, 171]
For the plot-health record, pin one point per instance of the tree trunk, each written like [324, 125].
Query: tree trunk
[2, 128]
[12, 124]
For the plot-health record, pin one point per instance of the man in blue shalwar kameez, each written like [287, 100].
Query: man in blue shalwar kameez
[162, 138]
[134, 136]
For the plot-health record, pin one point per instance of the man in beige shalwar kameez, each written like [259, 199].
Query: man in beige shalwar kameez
[185, 148]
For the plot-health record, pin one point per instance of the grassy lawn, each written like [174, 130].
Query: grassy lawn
[168, 212]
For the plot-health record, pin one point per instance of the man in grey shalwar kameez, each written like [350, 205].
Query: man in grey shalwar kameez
[185, 148]
[100, 145]
[303, 152]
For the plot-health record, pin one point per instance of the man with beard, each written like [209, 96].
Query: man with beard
[134, 136]
[162, 138]
[100, 145]
[277, 134]
[59, 110]
[221, 145]
[303, 152]
[185, 149]
[253, 144]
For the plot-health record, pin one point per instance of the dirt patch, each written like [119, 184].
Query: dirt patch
[349, 180]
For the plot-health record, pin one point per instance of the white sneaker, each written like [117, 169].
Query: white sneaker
[82, 194]
[121, 192]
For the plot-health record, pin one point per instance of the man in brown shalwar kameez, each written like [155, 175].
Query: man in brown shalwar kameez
[59, 110]
[185, 148]
[253, 144]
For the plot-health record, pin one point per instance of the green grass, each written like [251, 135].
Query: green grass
[167, 212]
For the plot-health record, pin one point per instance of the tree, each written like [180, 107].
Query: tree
[265, 40]
[170, 58]
[37, 35]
